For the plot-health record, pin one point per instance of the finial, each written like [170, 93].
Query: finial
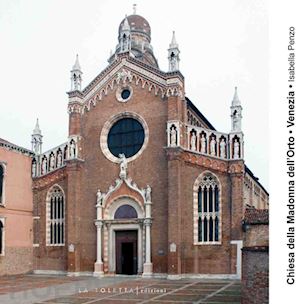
[134, 9]
[235, 100]
[126, 26]
[173, 43]
[37, 129]
[76, 66]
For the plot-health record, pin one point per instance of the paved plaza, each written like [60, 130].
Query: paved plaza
[37, 289]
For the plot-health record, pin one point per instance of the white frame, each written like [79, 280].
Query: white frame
[106, 128]
[195, 209]
[48, 201]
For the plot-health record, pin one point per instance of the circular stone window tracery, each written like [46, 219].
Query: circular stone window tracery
[125, 133]
[124, 93]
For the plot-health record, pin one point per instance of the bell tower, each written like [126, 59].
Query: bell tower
[36, 139]
[76, 76]
[236, 113]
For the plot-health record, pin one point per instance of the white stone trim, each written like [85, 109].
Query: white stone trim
[112, 241]
[106, 128]
[51, 272]
[239, 246]
[113, 207]
[120, 90]
[48, 201]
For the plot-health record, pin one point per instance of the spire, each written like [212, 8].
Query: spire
[126, 26]
[76, 77]
[236, 101]
[173, 43]
[173, 55]
[134, 9]
[37, 130]
[236, 113]
[76, 66]
[36, 139]
[125, 36]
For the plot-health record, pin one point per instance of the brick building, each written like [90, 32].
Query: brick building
[144, 183]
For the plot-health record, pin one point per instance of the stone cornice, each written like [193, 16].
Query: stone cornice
[15, 148]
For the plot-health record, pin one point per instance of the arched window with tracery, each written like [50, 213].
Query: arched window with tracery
[207, 215]
[55, 217]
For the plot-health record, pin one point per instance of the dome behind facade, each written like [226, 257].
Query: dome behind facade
[134, 36]
[138, 25]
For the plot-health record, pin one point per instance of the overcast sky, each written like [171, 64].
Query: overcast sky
[223, 44]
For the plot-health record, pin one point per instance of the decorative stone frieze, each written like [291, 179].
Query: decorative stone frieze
[56, 158]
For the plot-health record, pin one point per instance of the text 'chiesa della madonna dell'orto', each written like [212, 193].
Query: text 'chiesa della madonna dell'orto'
[144, 184]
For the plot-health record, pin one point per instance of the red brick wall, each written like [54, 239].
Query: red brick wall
[48, 257]
[255, 276]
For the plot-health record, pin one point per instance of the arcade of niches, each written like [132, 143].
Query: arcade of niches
[144, 184]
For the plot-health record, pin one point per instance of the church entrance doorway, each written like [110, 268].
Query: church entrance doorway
[126, 252]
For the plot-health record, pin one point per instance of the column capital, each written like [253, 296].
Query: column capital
[98, 223]
[147, 221]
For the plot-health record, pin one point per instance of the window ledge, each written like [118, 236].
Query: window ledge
[207, 243]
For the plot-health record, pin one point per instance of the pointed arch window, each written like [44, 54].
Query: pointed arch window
[207, 210]
[55, 217]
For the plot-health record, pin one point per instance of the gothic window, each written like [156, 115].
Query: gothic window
[1, 236]
[1, 185]
[126, 136]
[55, 216]
[208, 209]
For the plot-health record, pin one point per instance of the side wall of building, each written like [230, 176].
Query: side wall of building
[16, 213]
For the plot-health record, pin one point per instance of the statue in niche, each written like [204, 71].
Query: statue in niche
[236, 149]
[203, 144]
[148, 193]
[173, 134]
[193, 141]
[59, 159]
[222, 148]
[213, 147]
[123, 166]
[44, 165]
[52, 162]
[72, 149]
[100, 197]
[34, 169]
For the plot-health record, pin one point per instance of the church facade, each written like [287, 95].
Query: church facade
[144, 183]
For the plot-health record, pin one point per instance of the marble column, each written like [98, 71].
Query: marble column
[98, 268]
[148, 264]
